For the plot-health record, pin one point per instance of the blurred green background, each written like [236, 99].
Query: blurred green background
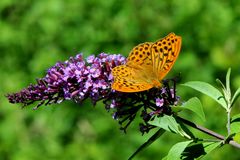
[34, 35]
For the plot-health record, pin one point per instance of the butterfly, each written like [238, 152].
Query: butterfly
[147, 64]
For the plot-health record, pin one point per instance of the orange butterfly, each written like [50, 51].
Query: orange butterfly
[147, 64]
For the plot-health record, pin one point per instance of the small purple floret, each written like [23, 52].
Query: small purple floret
[159, 102]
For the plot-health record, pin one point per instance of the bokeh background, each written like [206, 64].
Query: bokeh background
[34, 35]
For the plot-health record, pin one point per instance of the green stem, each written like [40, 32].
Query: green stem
[229, 121]
[209, 132]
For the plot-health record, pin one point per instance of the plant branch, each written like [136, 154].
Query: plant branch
[203, 129]
[209, 132]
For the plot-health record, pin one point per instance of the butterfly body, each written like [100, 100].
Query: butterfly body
[147, 64]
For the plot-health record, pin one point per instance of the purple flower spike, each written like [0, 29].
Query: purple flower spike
[74, 79]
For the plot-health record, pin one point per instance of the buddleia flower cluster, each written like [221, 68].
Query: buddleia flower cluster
[78, 79]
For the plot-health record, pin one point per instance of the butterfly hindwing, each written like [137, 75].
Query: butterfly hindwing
[126, 80]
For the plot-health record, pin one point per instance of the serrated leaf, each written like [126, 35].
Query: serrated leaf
[194, 105]
[152, 139]
[235, 124]
[169, 123]
[235, 96]
[209, 90]
[177, 150]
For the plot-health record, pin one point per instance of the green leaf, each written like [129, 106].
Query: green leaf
[177, 150]
[236, 137]
[209, 90]
[199, 149]
[194, 105]
[228, 82]
[164, 158]
[152, 139]
[210, 146]
[235, 96]
[220, 83]
[169, 123]
[166, 122]
[224, 90]
[185, 128]
[235, 124]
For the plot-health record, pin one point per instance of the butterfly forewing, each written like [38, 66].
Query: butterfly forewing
[164, 54]
[140, 56]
